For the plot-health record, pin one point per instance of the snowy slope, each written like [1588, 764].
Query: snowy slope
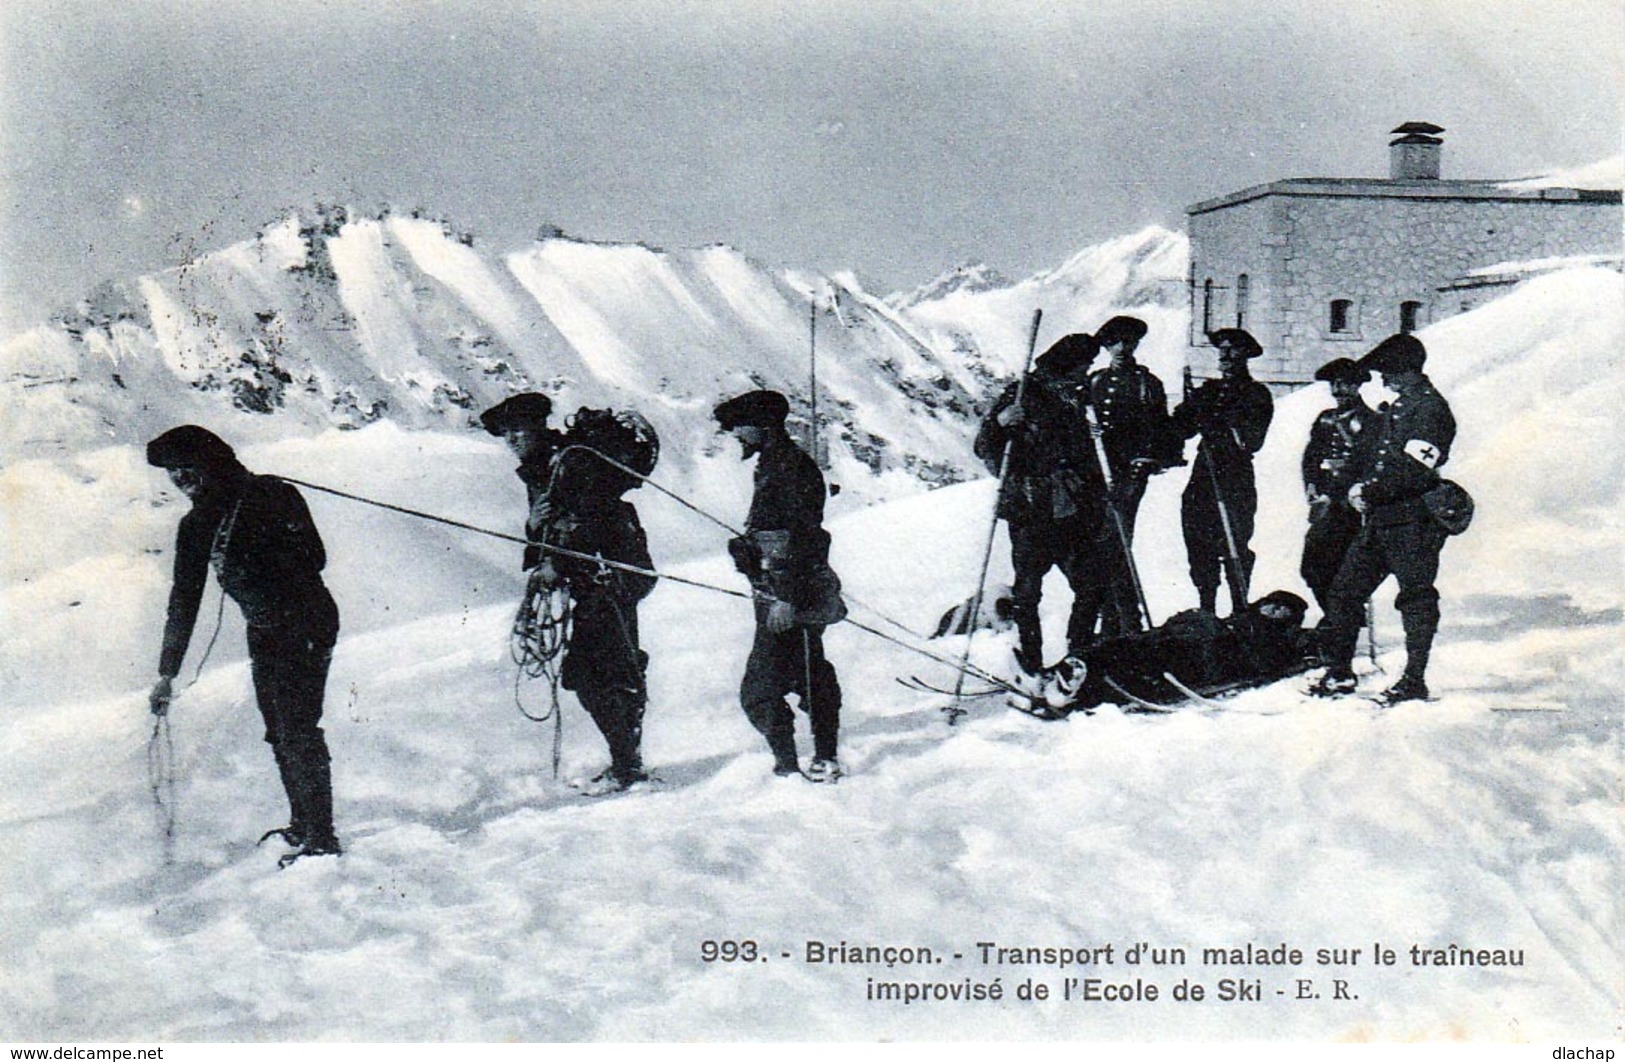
[332, 319]
[480, 899]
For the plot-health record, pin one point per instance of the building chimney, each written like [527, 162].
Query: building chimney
[1415, 155]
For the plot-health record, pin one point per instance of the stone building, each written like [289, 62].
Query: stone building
[1324, 267]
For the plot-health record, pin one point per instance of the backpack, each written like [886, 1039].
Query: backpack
[624, 436]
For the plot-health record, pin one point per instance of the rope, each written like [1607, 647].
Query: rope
[161, 782]
[219, 619]
[540, 632]
[719, 521]
[161, 743]
[673, 495]
[546, 547]
[965, 667]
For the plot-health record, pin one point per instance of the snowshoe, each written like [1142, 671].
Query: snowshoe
[1406, 689]
[824, 771]
[317, 847]
[1332, 684]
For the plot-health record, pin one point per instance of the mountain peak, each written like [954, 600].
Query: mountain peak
[967, 277]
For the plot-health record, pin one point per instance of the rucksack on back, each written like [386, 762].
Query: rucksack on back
[625, 436]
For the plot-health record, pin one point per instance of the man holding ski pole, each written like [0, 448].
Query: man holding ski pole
[1130, 408]
[1232, 415]
[1053, 497]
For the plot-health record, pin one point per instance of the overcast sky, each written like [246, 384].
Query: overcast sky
[893, 137]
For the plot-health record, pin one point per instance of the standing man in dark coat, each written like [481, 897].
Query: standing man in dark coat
[1053, 498]
[258, 535]
[521, 422]
[1132, 409]
[1232, 415]
[1330, 468]
[1410, 442]
[576, 507]
[784, 552]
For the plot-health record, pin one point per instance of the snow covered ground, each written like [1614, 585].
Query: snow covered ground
[481, 899]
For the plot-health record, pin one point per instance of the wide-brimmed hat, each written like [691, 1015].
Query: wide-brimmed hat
[1341, 370]
[1066, 354]
[190, 446]
[1238, 339]
[528, 410]
[1285, 599]
[1120, 329]
[1398, 353]
[760, 409]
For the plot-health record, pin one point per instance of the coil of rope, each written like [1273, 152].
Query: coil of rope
[541, 629]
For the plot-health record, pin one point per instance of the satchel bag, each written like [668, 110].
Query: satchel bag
[1450, 506]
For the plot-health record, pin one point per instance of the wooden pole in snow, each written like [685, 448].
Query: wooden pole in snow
[812, 373]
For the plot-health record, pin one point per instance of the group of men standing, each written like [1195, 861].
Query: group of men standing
[584, 541]
[1076, 449]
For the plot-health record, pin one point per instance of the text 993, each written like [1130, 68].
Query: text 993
[729, 951]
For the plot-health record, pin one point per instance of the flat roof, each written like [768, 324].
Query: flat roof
[1379, 188]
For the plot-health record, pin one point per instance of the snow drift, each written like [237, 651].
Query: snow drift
[480, 899]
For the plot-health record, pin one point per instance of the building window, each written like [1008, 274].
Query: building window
[1340, 315]
[1207, 306]
[1242, 287]
[1408, 313]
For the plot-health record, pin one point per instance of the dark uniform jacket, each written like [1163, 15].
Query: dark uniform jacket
[257, 533]
[785, 524]
[1054, 474]
[1411, 442]
[1331, 460]
[607, 528]
[1232, 415]
[1132, 408]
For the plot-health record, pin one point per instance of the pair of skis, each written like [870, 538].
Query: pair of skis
[1041, 709]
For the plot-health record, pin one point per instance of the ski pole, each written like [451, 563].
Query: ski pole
[954, 710]
[1238, 576]
[1096, 434]
[812, 375]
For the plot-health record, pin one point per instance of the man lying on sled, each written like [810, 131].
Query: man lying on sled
[1192, 652]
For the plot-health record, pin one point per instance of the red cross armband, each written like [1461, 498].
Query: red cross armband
[1423, 452]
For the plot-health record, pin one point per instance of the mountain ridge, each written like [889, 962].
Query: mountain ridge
[332, 318]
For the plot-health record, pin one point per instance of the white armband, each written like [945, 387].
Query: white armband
[1424, 452]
